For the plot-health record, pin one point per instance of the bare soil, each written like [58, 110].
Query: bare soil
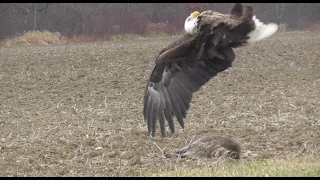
[76, 110]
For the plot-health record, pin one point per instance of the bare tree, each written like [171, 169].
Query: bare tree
[101, 19]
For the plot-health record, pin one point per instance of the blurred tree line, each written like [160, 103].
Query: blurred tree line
[103, 19]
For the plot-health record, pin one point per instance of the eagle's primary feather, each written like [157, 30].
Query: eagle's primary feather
[185, 65]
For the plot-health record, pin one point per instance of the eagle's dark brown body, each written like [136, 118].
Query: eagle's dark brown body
[185, 65]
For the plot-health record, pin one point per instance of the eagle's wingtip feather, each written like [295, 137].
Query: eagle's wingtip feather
[262, 30]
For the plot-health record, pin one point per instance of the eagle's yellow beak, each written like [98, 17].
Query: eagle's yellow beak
[195, 14]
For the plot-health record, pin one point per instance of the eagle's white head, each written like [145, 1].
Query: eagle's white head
[190, 25]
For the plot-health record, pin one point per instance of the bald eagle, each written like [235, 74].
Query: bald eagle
[188, 63]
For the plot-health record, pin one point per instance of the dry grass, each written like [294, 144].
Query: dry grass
[45, 37]
[315, 27]
[86, 39]
[161, 29]
[290, 167]
[35, 38]
[122, 37]
[130, 37]
[158, 35]
[282, 27]
[76, 110]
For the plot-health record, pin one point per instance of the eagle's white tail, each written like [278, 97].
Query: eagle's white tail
[261, 31]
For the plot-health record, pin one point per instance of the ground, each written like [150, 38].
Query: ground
[76, 110]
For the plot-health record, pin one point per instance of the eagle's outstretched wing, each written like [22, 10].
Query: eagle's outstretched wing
[176, 76]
